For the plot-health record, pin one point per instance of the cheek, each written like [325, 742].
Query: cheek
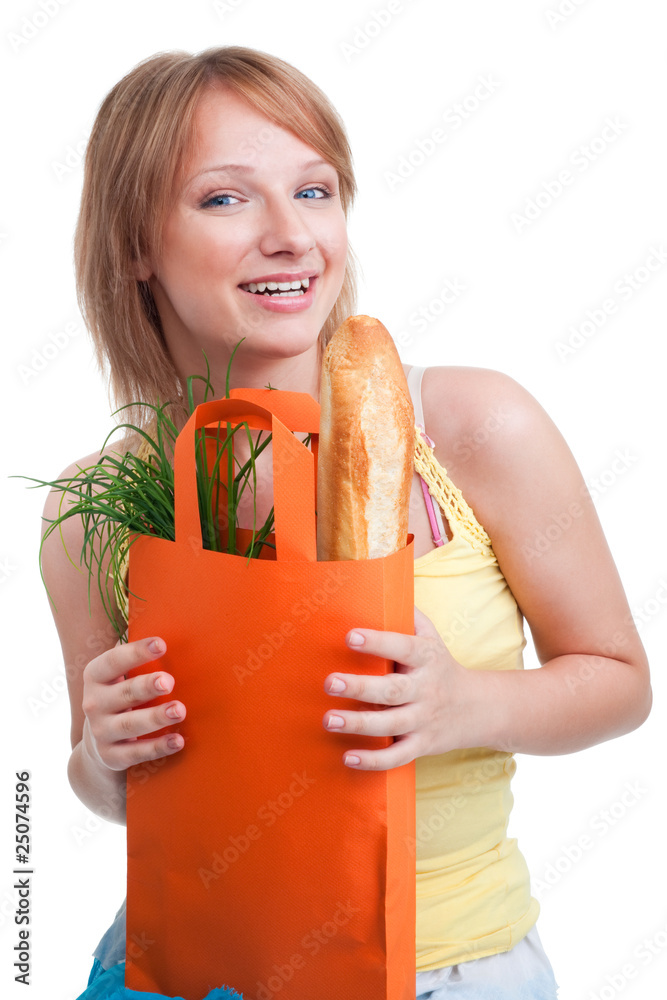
[197, 248]
[333, 242]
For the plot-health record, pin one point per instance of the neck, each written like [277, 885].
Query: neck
[295, 374]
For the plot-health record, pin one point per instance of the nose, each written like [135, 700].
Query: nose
[285, 230]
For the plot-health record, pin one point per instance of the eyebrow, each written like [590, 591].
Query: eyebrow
[242, 168]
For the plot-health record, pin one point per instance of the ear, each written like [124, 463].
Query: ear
[141, 270]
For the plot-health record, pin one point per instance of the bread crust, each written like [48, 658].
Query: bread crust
[366, 445]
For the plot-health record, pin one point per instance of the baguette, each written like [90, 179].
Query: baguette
[366, 445]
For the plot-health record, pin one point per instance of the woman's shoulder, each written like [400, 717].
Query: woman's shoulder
[72, 471]
[466, 407]
[491, 435]
[58, 546]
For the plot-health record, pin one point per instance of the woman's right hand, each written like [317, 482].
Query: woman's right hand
[116, 727]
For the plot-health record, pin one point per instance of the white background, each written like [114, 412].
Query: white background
[556, 82]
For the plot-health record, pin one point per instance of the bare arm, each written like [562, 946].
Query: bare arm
[593, 684]
[529, 494]
[107, 719]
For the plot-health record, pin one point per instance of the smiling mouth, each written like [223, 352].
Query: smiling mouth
[283, 289]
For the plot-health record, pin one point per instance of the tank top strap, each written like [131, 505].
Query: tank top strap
[436, 522]
[448, 496]
[415, 376]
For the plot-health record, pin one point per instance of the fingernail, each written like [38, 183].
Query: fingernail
[156, 646]
[161, 683]
[351, 760]
[335, 722]
[337, 685]
[173, 712]
[355, 639]
[175, 742]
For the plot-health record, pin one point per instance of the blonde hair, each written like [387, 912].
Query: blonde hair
[136, 151]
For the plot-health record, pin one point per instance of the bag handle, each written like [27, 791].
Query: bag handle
[294, 468]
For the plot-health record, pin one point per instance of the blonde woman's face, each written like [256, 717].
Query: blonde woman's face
[257, 205]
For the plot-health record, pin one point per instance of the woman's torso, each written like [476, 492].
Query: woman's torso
[473, 885]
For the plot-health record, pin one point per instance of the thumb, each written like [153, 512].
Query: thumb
[424, 626]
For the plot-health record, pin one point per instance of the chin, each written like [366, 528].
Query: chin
[285, 343]
[292, 348]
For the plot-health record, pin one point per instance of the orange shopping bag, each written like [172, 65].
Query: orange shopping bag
[256, 859]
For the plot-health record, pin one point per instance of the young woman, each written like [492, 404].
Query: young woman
[217, 189]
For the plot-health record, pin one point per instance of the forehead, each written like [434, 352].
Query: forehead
[229, 129]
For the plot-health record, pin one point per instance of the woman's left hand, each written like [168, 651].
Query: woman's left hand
[432, 701]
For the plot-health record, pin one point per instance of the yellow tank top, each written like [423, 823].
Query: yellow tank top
[473, 884]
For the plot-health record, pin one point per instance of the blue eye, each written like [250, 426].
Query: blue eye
[217, 202]
[322, 190]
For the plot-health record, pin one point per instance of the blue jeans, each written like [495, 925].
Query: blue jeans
[109, 985]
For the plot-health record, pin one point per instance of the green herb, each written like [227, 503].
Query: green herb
[125, 495]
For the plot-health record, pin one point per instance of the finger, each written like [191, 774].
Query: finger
[121, 694]
[123, 657]
[402, 751]
[120, 756]
[138, 722]
[385, 689]
[408, 650]
[424, 625]
[388, 722]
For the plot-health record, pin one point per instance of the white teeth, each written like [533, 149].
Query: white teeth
[282, 287]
